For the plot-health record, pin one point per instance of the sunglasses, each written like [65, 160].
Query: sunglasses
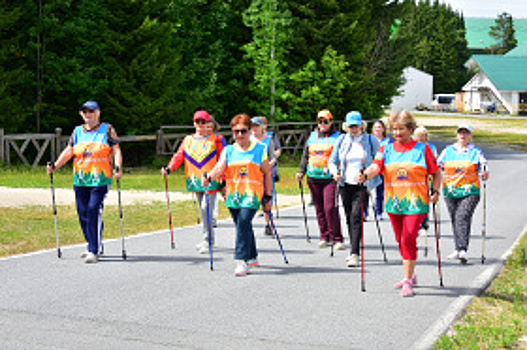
[324, 121]
[240, 131]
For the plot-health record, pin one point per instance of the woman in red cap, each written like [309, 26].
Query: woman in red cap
[200, 152]
[94, 145]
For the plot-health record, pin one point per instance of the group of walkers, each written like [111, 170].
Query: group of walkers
[405, 174]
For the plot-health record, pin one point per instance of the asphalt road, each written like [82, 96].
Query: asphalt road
[162, 298]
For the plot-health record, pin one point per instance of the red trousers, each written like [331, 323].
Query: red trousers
[406, 229]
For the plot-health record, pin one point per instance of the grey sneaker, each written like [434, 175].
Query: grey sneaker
[84, 255]
[353, 260]
[90, 258]
[268, 231]
[253, 262]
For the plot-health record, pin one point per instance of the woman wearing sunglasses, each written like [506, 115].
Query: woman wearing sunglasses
[248, 176]
[314, 163]
[200, 152]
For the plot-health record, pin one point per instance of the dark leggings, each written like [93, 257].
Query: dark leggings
[461, 211]
[351, 199]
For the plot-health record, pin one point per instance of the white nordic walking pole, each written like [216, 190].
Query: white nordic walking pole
[484, 227]
[59, 253]
[209, 226]
[120, 214]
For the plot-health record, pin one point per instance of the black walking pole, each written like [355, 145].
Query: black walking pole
[271, 221]
[304, 210]
[362, 277]
[172, 244]
[59, 253]
[209, 226]
[335, 219]
[484, 227]
[378, 229]
[121, 214]
[437, 246]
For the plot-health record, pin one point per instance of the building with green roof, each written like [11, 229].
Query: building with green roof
[500, 83]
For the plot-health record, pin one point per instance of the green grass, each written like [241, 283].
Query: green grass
[136, 179]
[497, 319]
[32, 228]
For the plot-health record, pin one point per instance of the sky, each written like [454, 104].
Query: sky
[489, 8]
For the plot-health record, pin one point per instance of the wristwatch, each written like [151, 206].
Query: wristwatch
[266, 198]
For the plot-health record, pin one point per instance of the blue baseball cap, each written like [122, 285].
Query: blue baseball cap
[257, 120]
[90, 105]
[353, 118]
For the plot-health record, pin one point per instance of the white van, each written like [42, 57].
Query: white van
[444, 102]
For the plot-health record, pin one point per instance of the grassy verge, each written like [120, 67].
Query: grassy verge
[497, 319]
[32, 228]
[137, 179]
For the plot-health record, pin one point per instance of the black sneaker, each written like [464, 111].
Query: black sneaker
[268, 231]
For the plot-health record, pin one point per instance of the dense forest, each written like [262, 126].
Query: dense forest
[154, 62]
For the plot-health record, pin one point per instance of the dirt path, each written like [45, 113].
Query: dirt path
[19, 197]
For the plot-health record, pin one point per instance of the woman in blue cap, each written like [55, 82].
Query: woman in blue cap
[95, 148]
[353, 152]
[259, 134]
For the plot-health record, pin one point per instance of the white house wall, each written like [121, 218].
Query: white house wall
[472, 97]
[417, 89]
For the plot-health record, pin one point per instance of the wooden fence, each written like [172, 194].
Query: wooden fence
[168, 138]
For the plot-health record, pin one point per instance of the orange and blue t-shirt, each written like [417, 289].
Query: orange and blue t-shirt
[460, 168]
[200, 155]
[320, 149]
[244, 177]
[406, 169]
[92, 165]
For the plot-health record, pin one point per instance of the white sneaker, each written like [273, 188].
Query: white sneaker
[353, 260]
[322, 244]
[241, 269]
[203, 247]
[339, 246]
[90, 258]
[463, 256]
[423, 232]
[454, 255]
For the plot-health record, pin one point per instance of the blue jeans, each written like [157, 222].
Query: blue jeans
[245, 247]
[89, 209]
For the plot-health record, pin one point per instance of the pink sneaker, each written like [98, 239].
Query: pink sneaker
[407, 290]
[399, 285]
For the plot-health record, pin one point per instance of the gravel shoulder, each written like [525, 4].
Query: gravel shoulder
[20, 197]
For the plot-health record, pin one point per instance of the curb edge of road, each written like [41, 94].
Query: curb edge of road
[454, 311]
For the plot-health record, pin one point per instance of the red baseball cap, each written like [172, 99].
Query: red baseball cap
[202, 115]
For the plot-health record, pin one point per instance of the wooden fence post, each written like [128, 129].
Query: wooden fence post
[55, 146]
[2, 158]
